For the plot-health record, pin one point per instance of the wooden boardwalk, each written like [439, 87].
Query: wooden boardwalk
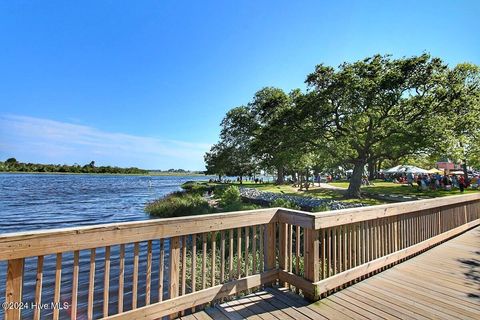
[442, 283]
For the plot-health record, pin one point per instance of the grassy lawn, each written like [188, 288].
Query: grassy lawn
[312, 192]
[379, 187]
[382, 187]
[340, 184]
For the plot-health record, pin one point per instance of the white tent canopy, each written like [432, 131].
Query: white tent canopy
[406, 169]
[393, 170]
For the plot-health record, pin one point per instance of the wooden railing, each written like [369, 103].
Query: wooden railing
[169, 267]
[345, 246]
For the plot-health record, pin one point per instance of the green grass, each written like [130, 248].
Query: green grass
[379, 187]
[340, 184]
[312, 192]
[178, 204]
[382, 187]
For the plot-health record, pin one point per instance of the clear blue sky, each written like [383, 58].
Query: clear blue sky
[146, 83]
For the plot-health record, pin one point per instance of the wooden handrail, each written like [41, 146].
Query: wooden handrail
[199, 259]
[349, 244]
[346, 216]
[35, 243]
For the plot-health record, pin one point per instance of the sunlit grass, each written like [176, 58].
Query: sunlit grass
[386, 188]
[317, 192]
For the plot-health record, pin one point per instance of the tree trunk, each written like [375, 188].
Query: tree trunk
[307, 184]
[356, 180]
[379, 167]
[280, 175]
[465, 171]
[371, 170]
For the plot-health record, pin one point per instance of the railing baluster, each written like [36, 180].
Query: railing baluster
[371, 240]
[239, 253]
[38, 288]
[254, 249]
[160, 270]
[106, 282]
[222, 255]
[334, 250]
[91, 284]
[246, 251]
[323, 255]
[329, 251]
[297, 249]
[135, 275]
[76, 258]
[290, 248]
[230, 258]
[260, 241]
[283, 249]
[148, 279]
[184, 265]
[121, 275]
[184, 268]
[58, 282]
[204, 260]
[174, 268]
[346, 247]
[194, 265]
[353, 250]
[214, 249]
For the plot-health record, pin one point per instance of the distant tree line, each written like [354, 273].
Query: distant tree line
[360, 115]
[12, 165]
[178, 171]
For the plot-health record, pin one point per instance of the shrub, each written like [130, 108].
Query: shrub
[230, 197]
[219, 190]
[323, 207]
[239, 206]
[196, 187]
[178, 204]
[283, 203]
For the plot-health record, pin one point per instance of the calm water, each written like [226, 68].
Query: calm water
[34, 201]
[45, 201]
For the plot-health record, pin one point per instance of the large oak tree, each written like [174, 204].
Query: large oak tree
[375, 108]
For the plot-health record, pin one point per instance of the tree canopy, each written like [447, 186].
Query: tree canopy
[12, 165]
[355, 116]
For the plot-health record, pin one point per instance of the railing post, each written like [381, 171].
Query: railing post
[270, 247]
[396, 237]
[174, 269]
[312, 259]
[283, 247]
[14, 288]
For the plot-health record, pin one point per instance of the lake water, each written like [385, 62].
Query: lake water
[46, 201]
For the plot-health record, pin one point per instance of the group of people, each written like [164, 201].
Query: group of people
[255, 180]
[436, 181]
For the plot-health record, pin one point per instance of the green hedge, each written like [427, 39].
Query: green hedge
[178, 204]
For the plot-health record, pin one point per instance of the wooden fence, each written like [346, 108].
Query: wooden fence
[168, 267]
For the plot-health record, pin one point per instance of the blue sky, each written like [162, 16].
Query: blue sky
[146, 83]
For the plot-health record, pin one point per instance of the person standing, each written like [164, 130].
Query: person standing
[461, 183]
[410, 179]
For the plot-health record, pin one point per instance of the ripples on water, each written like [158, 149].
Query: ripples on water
[46, 201]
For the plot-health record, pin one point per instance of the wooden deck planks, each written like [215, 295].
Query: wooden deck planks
[439, 283]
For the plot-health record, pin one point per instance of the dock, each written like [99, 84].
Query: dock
[410, 260]
[442, 283]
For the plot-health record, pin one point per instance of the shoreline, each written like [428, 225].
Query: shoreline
[166, 174]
